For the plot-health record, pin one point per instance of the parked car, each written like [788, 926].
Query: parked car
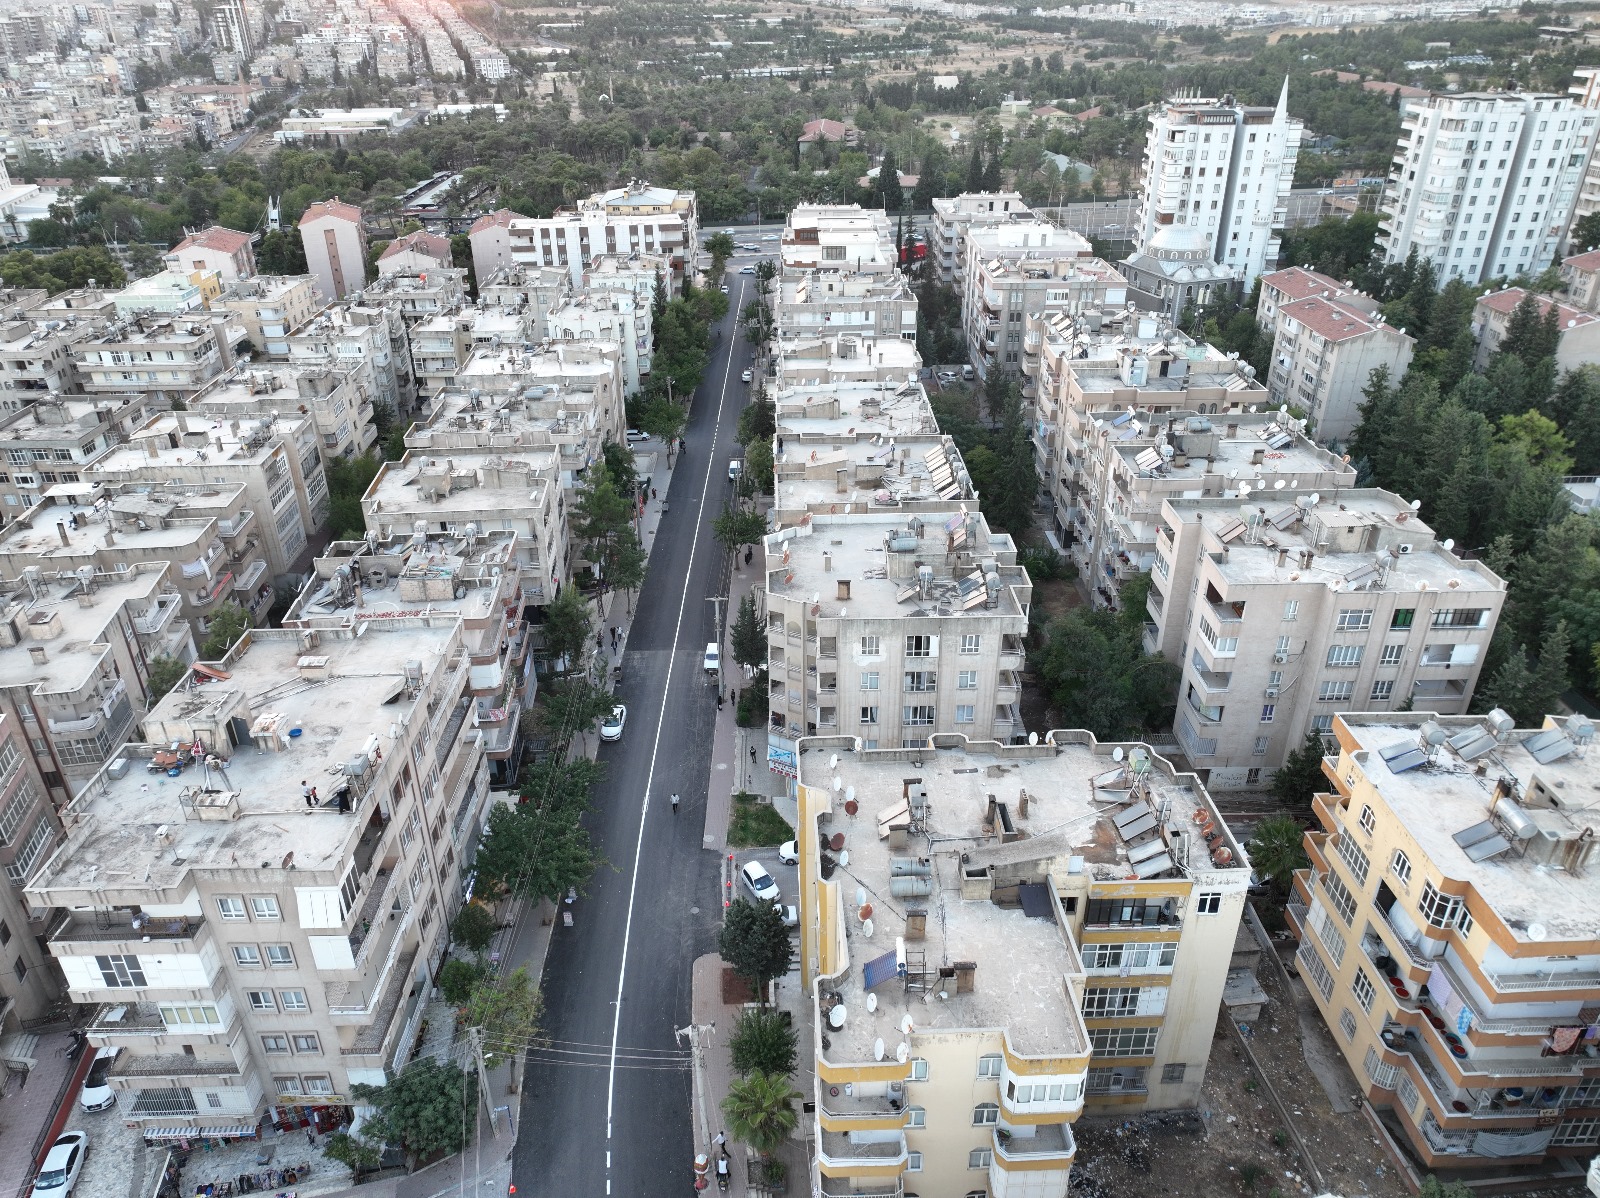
[97, 1093]
[789, 852]
[611, 726]
[948, 376]
[789, 913]
[745, 376]
[634, 435]
[59, 1173]
[759, 883]
[723, 287]
[713, 658]
[747, 270]
[735, 468]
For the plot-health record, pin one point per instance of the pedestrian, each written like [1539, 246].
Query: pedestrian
[752, 752]
[305, 791]
[674, 804]
[733, 697]
[720, 1141]
[719, 700]
[748, 554]
[652, 492]
[311, 1137]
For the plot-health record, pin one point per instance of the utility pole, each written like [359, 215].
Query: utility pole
[475, 1039]
[698, 1063]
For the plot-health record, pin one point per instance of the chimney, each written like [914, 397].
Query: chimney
[841, 481]
[1233, 431]
[61, 531]
[844, 588]
[1256, 455]
[966, 976]
[1283, 556]
[151, 449]
[38, 654]
[111, 536]
[827, 562]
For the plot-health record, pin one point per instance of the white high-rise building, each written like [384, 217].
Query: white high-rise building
[1226, 169]
[1485, 182]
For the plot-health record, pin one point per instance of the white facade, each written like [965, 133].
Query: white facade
[1223, 168]
[953, 217]
[1485, 182]
[336, 247]
[627, 220]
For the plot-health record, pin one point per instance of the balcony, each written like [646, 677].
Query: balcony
[1011, 653]
[75, 725]
[230, 529]
[174, 1064]
[1152, 637]
[842, 1111]
[1581, 979]
[116, 1022]
[369, 919]
[95, 930]
[837, 1150]
[843, 1187]
[372, 1039]
[1048, 1140]
[158, 617]
[1209, 682]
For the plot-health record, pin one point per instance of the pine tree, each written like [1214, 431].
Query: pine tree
[889, 189]
[1550, 676]
[975, 168]
[991, 173]
[1523, 337]
[748, 639]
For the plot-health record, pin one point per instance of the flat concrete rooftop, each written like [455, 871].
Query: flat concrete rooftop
[72, 635]
[840, 411]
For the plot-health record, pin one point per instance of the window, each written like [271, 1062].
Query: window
[1109, 1002]
[1135, 956]
[305, 1042]
[971, 642]
[1339, 896]
[921, 681]
[1291, 609]
[871, 647]
[1440, 910]
[1368, 820]
[986, 1114]
[916, 1116]
[293, 1000]
[1123, 1079]
[1403, 617]
[919, 1069]
[1354, 620]
[916, 716]
[1124, 1041]
[5, 932]
[919, 646]
[913, 1162]
[1344, 657]
[1335, 692]
[280, 956]
[1400, 867]
[869, 680]
[1312, 967]
[1356, 860]
[317, 1083]
[1382, 690]
[1347, 1023]
[967, 680]
[181, 1015]
[1268, 710]
[964, 713]
[275, 1044]
[20, 968]
[990, 1064]
[1391, 655]
[1581, 1132]
[980, 1158]
[1259, 749]
[1208, 902]
[120, 972]
[231, 908]
[1361, 987]
[869, 715]
[247, 956]
[264, 906]
[261, 1000]
[1460, 617]
[1172, 1075]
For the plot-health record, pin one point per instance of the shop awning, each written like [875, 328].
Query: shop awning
[239, 1132]
[171, 1133]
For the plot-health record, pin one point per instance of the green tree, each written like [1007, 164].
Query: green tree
[1276, 850]
[506, 1009]
[764, 1041]
[755, 944]
[748, 638]
[664, 419]
[1300, 776]
[737, 527]
[720, 246]
[1525, 335]
[890, 193]
[757, 478]
[572, 707]
[758, 422]
[227, 624]
[537, 849]
[353, 1152]
[473, 928]
[165, 673]
[619, 464]
[457, 978]
[760, 1110]
[568, 626]
[426, 1109]
[599, 519]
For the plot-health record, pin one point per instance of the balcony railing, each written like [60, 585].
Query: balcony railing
[1583, 979]
[111, 926]
[1048, 1139]
[836, 1150]
[843, 1187]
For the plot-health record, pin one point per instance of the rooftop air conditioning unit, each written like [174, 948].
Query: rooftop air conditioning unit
[1406, 548]
[1272, 692]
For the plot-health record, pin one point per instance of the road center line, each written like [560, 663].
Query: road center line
[655, 750]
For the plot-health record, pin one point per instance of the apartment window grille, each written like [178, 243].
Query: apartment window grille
[1382, 1074]
[1172, 1075]
[1313, 969]
[1400, 867]
[1347, 1023]
[1438, 909]
[1124, 1041]
[1339, 896]
[1361, 987]
[1123, 1079]
[1344, 657]
[1134, 956]
[1259, 749]
[1578, 1132]
[1354, 620]
[1354, 858]
[1368, 820]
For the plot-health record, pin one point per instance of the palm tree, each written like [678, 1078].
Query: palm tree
[760, 1110]
[1276, 850]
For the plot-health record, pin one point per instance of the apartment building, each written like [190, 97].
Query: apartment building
[1484, 183]
[954, 216]
[1226, 169]
[75, 648]
[637, 218]
[336, 247]
[816, 302]
[337, 402]
[369, 340]
[37, 360]
[475, 577]
[836, 357]
[416, 253]
[254, 951]
[482, 490]
[1286, 607]
[1579, 342]
[1174, 272]
[276, 458]
[208, 531]
[890, 629]
[270, 308]
[439, 347]
[1447, 931]
[838, 237]
[167, 293]
[1580, 276]
[48, 443]
[157, 358]
[225, 252]
[1023, 269]
[533, 292]
[490, 237]
[419, 295]
[1327, 339]
[1025, 933]
[30, 983]
[236, 28]
[615, 317]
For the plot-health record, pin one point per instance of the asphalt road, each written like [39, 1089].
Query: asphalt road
[607, 1110]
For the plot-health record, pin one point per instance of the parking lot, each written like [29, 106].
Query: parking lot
[786, 876]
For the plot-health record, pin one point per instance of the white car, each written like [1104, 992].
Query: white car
[713, 658]
[759, 883]
[749, 247]
[770, 237]
[59, 1173]
[747, 270]
[611, 726]
[723, 288]
[745, 376]
[948, 376]
[789, 913]
[97, 1094]
[635, 435]
[789, 853]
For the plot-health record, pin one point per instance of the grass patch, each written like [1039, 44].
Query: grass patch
[755, 824]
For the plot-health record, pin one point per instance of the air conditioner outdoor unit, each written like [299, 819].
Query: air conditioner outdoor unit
[1272, 692]
[1280, 658]
[1405, 548]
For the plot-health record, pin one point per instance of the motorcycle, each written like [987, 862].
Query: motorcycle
[722, 1171]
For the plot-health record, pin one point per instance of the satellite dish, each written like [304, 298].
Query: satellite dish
[838, 785]
[844, 858]
[836, 1018]
[1116, 754]
[1416, 504]
[877, 1049]
[861, 896]
[1316, 498]
[1244, 489]
[872, 1004]
[1279, 485]
[866, 928]
[833, 762]
[851, 807]
[849, 794]
[1033, 738]
[1536, 931]
[1283, 409]
[902, 1052]
[1449, 544]
[864, 912]
[906, 1025]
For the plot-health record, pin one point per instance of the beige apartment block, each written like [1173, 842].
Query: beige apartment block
[335, 242]
[271, 308]
[48, 443]
[474, 492]
[38, 358]
[616, 316]
[532, 292]
[227, 252]
[490, 237]
[253, 948]
[826, 301]
[637, 218]
[814, 418]
[337, 402]
[1580, 275]
[473, 576]
[955, 216]
[162, 358]
[886, 628]
[30, 983]
[1447, 930]
[418, 295]
[439, 346]
[567, 394]
[1024, 933]
[206, 531]
[370, 340]
[416, 253]
[812, 360]
[1028, 269]
[75, 650]
[919, 474]
[278, 460]
[838, 237]
[1284, 608]
[1578, 344]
